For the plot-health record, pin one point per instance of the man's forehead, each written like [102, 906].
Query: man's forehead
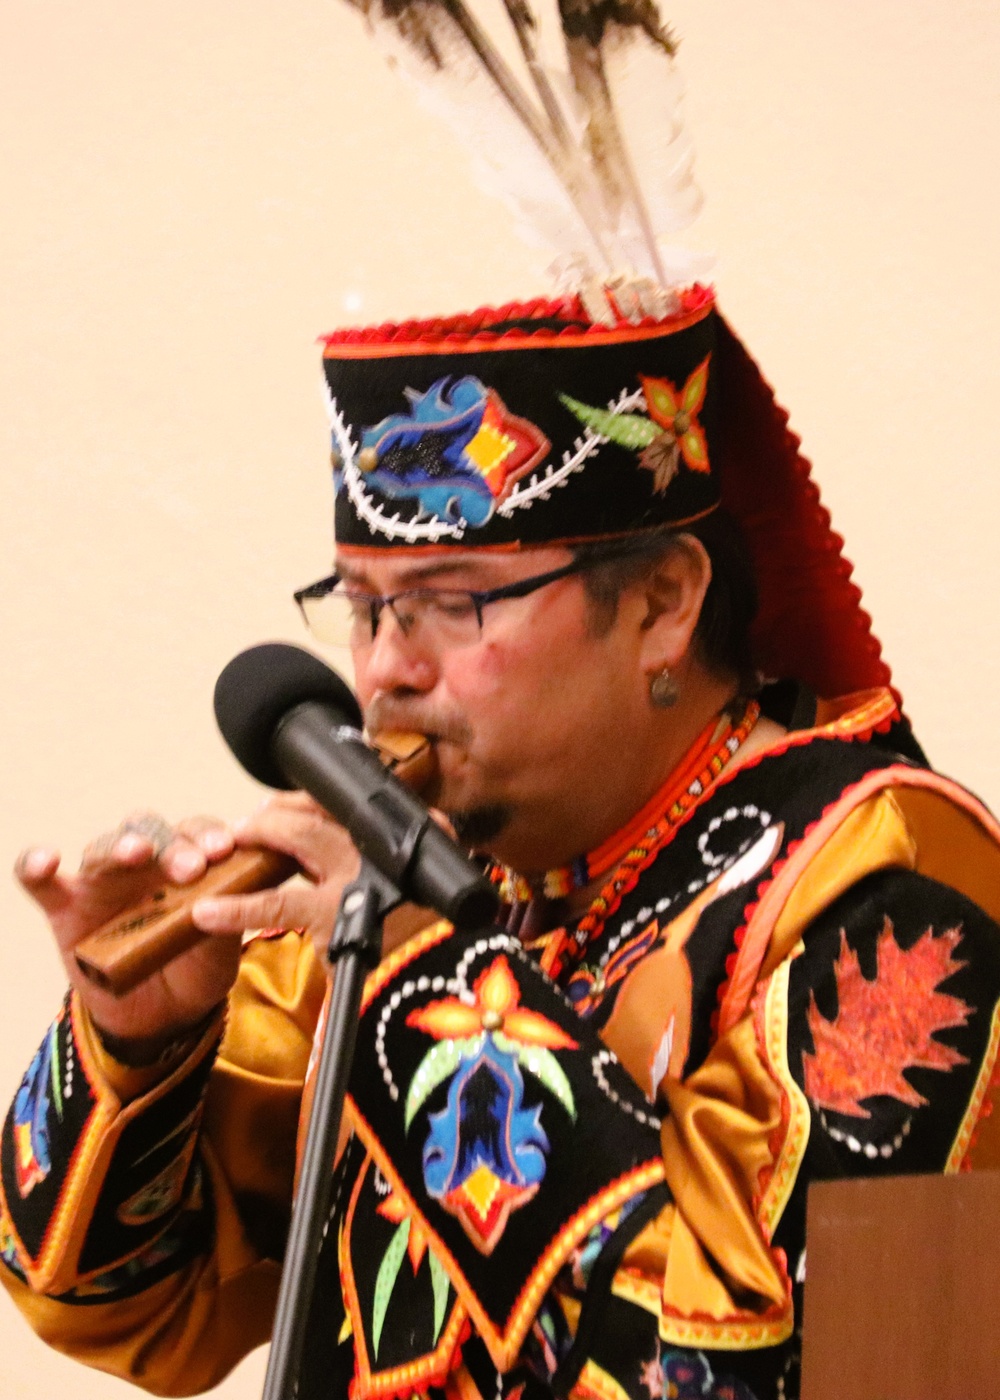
[390, 568]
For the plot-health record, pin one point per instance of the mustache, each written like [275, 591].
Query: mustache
[388, 712]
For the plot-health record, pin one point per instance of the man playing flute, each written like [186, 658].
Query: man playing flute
[749, 939]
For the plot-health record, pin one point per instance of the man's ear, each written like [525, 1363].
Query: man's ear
[674, 592]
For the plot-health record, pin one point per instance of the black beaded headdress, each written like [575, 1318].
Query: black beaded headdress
[529, 424]
[623, 405]
[523, 425]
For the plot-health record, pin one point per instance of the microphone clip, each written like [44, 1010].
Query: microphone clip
[363, 905]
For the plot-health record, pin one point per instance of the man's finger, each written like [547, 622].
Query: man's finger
[212, 836]
[124, 852]
[35, 865]
[183, 861]
[138, 839]
[287, 825]
[239, 912]
[294, 799]
[37, 871]
[116, 849]
[307, 833]
[151, 826]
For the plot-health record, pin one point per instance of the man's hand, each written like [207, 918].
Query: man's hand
[292, 822]
[117, 871]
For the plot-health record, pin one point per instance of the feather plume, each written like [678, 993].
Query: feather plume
[586, 147]
[461, 76]
[647, 93]
[590, 26]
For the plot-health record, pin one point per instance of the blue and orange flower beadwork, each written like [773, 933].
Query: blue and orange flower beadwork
[485, 1152]
[458, 452]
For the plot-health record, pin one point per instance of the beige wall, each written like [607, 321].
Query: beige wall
[191, 192]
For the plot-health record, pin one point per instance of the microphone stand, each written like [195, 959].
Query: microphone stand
[356, 945]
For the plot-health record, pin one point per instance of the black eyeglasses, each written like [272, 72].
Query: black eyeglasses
[444, 618]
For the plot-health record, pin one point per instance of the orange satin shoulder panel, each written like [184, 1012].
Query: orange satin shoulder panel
[872, 837]
[954, 846]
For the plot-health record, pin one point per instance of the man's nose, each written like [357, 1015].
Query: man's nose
[395, 660]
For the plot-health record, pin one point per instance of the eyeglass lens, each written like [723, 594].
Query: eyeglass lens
[439, 617]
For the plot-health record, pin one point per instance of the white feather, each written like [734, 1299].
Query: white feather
[506, 160]
[533, 152]
[647, 96]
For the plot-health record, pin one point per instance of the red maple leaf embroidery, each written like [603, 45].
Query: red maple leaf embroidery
[885, 1026]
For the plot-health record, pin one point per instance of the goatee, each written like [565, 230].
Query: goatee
[478, 826]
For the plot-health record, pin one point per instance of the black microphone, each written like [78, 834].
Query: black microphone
[294, 723]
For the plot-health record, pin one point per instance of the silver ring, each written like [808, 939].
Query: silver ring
[150, 827]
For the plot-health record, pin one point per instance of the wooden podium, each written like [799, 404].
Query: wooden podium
[902, 1296]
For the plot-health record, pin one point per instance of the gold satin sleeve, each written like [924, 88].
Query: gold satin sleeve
[738, 1126]
[732, 1143]
[184, 1333]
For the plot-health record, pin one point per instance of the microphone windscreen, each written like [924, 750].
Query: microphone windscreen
[259, 687]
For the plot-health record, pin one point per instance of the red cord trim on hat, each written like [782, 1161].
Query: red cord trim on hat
[810, 623]
[473, 332]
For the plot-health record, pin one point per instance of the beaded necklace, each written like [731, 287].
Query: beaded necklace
[714, 748]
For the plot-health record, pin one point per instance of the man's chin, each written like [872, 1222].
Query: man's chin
[477, 827]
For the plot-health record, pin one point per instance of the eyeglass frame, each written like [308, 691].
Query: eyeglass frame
[378, 602]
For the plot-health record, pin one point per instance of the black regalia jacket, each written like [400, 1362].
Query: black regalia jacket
[575, 1166]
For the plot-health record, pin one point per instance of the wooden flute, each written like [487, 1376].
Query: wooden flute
[140, 940]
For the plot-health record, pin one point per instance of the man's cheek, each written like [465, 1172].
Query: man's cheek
[494, 665]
